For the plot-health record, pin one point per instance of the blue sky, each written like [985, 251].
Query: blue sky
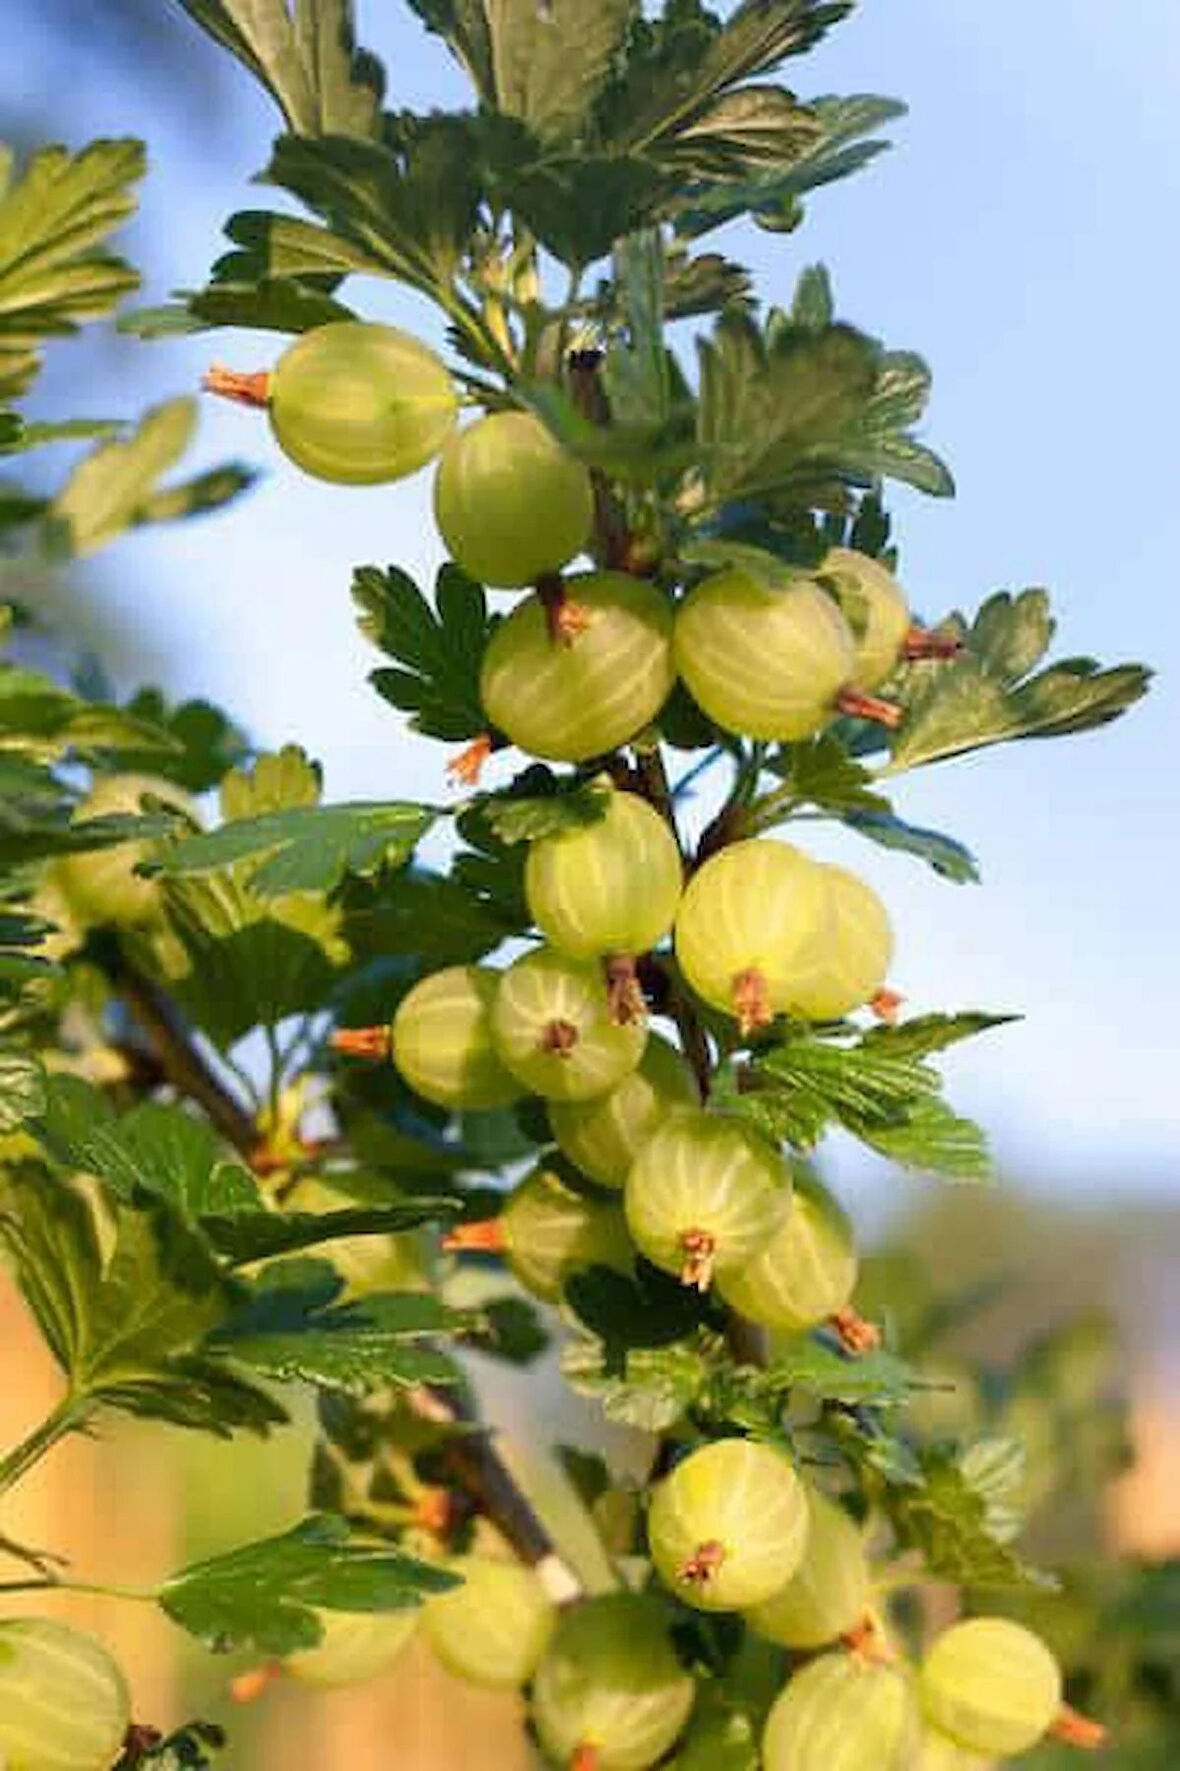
[1022, 237]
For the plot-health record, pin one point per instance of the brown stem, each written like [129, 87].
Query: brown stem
[857, 705]
[626, 1002]
[751, 1001]
[467, 766]
[700, 1254]
[484, 1236]
[249, 389]
[566, 619]
[363, 1042]
[250, 1685]
[867, 1640]
[925, 642]
[1078, 1730]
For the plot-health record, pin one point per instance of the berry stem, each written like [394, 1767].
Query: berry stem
[484, 1236]
[247, 389]
[886, 1005]
[566, 619]
[467, 766]
[624, 993]
[751, 1001]
[1074, 1729]
[855, 1335]
[249, 1686]
[857, 705]
[700, 1250]
[375, 1043]
[924, 642]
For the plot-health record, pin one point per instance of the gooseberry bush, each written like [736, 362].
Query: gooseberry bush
[282, 1104]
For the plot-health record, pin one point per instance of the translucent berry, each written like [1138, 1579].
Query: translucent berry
[940, 1753]
[553, 1028]
[728, 1527]
[608, 887]
[704, 1194]
[551, 1229]
[750, 928]
[764, 660]
[510, 503]
[64, 1703]
[991, 1685]
[875, 608]
[828, 1594]
[843, 1711]
[567, 700]
[359, 404]
[442, 1040]
[610, 1693]
[101, 886]
[604, 1136]
[493, 1629]
[355, 1646]
[852, 957]
[805, 1273]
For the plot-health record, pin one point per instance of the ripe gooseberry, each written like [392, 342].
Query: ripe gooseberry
[766, 660]
[570, 700]
[442, 1040]
[552, 1027]
[807, 1270]
[493, 1629]
[992, 1685]
[750, 928]
[355, 1646]
[852, 957]
[843, 1710]
[549, 1229]
[939, 1752]
[828, 1593]
[510, 503]
[64, 1703]
[875, 608]
[610, 1693]
[607, 887]
[604, 1136]
[101, 886]
[704, 1194]
[359, 404]
[728, 1527]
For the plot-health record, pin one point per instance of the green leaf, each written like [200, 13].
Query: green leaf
[636, 371]
[305, 848]
[18, 438]
[116, 486]
[439, 650]
[933, 1139]
[209, 744]
[264, 1596]
[247, 968]
[655, 1387]
[809, 1365]
[162, 1151]
[925, 1034]
[308, 63]
[986, 696]
[945, 1513]
[22, 1089]
[437, 919]
[274, 304]
[52, 219]
[523, 817]
[245, 1238]
[950, 859]
[549, 65]
[820, 772]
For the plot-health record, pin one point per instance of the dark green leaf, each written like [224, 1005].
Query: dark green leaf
[305, 848]
[264, 1595]
[548, 66]
[516, 817]
[932, 1139]
[434, 919]
[439, 650]
[655, 1387]
[949, 858]
[820, 772]
[510, 1330]
[273, 304]
[870, 1377]
[255, 974]
[636, 369]
[926, 1034]
[210, 743]
[945, 1514]
[243, 1239]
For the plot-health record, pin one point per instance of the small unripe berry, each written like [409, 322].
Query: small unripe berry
[442, 1040]
[358, 404]
[853, 955]
[704, 1194]
[807, 1270]
[603, 1137]
[608, 887]
[101, 886]
[567, 701]
[355, 1646]
[875, 608]
[493, 1629]
[765, 661]
[552, 1027]
[728, 1527]
[828, 1593]
[992, 1685]
[551, 1230]
[64, 1703]
[610, 1693]
[510, 503]
[749, 929]
[843, 1712]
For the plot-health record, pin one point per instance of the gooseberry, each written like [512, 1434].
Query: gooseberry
[358, 404]
[493, 1629]
[101, 886]
[550, 1230]
[853, 956]
[566, 700]
[64, 1703]
[704, 1194]
[843, 1710]
[828, 1593]
[750, 929]
[607, 887]
[807, 1270]
[553, 1029]
[728, 1527]
[442, 1040]
[510, 503]
[939, 1752]
[610, 1693]
[355, 1646]
[991, 1685]
[764, 660]
[604, 1136]
[875, 607]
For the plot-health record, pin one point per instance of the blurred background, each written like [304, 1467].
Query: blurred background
[1020, 236]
